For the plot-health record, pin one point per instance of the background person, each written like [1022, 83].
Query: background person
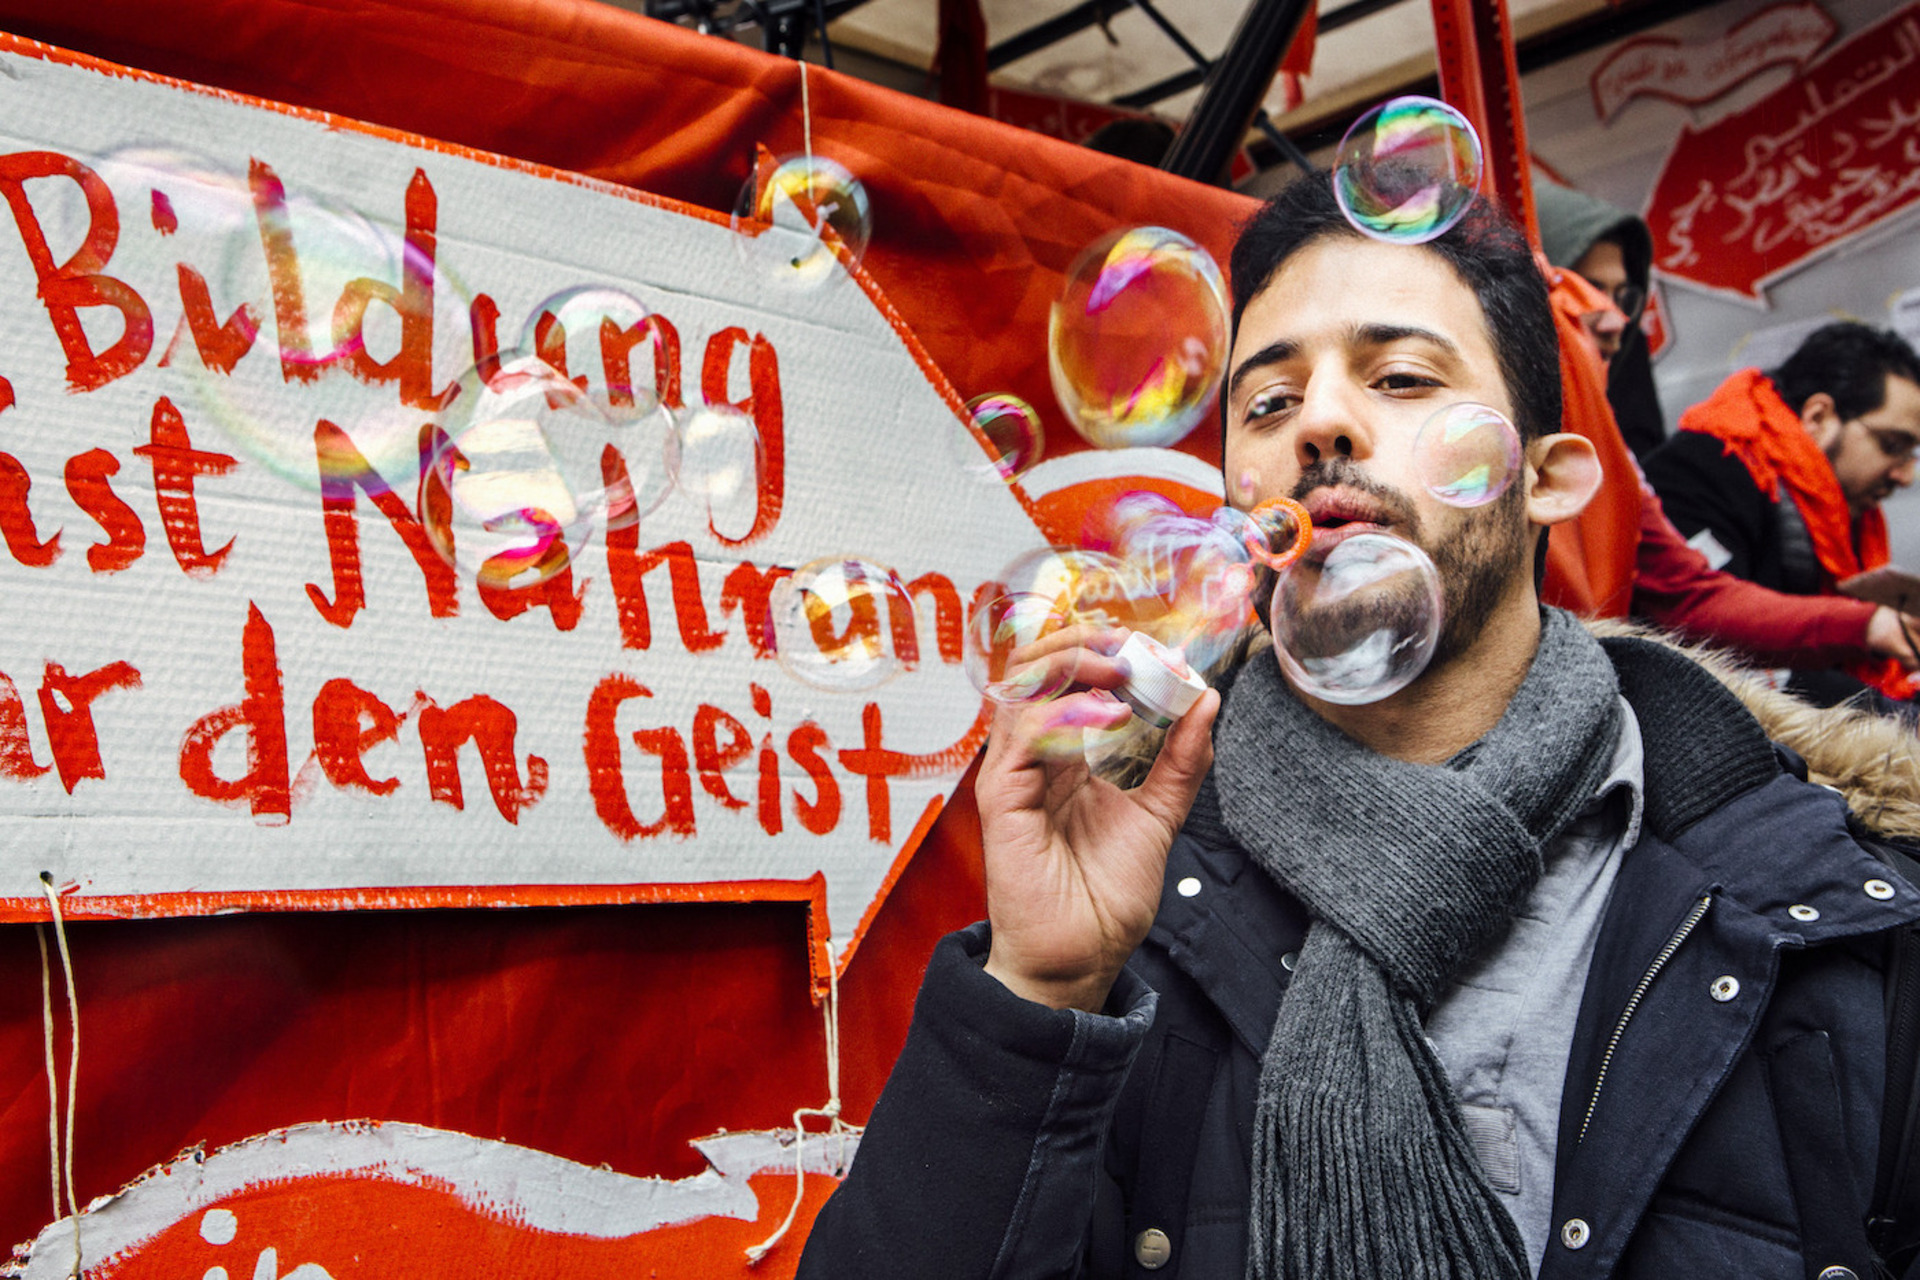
[1778, 477]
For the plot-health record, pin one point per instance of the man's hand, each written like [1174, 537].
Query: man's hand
[1888, 638]
[1073, 863]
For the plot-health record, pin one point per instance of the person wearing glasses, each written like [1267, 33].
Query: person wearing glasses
[1623, 555]
[1778, 477]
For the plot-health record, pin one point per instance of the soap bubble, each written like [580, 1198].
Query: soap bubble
[599, 334]
[1467, 454]
[1137, 342]
[516, 490]
[715, 453]
[358, 310]
[1014, 437]
[1407, 170]
[1277, 532]
[1000, 660]
[788, 207]
[835, 620]
[1197, 575]
[1043, 593]
[1359, 621]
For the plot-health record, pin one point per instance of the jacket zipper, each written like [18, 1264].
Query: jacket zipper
[1633, 1002]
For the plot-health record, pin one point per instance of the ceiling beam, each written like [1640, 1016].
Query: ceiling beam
[1235, 89]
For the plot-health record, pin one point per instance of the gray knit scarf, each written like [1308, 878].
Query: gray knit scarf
[1362, 1167]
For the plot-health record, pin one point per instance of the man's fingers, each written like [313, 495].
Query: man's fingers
[1182, 764]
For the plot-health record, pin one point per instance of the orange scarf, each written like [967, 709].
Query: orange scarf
[1756, 426]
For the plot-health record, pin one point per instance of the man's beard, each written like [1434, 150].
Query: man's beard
[1476, 560]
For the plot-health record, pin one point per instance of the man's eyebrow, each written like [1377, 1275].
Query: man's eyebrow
[1271, 354]
[1381, 335]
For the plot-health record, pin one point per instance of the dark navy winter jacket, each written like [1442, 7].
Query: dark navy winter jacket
[1720, 1116]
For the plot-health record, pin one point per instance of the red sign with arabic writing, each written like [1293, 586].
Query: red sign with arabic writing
[1662, 67]
[1763, 192]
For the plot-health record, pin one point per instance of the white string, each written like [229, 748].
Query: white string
[53, 1075]
[73, 1062]
[831, 1112]
[806, 123]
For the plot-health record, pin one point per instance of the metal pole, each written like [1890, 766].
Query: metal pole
[1480, 76]
[1238, 83]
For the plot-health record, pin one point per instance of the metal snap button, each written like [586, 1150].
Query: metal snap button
[1188, 887]
[1725, 987]
[1289, 960]
[1839, 1273]
[1879, 890]
[1801, 911]
[1574, 1233]
[1152, 1249]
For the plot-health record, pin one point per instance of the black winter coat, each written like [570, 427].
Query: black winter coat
[1720, 1116]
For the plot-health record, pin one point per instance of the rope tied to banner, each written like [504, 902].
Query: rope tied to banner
[836, 1128]
[62, 1159]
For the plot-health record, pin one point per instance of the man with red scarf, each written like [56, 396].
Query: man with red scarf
[1778, 477]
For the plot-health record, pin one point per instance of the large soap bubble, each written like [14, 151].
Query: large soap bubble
[597, 333]
[834, 621]
[1137, 342]
[1016, 640]
[1358, 621]
[1407, 170]
[517, 486]
[790, 212]
[1467, 454]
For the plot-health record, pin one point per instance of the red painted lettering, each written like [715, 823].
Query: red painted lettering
[283, 273]
[343, 468]
[763, 404]
[16, 747]
[616, 356]
[490, 726]
[748, 588]
[607, 779]
[628, 571]
[265, 787]
[16, 518]
[87, 483]
[412, 365]
[175, 464]
[821, 814]
[67, 704]
[79, 282]
[347, 720]
[712, 759]
[220, 345]
[949, 618]
[876, 764]
[547, 559]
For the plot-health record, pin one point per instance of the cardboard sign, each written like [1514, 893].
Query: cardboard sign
[1768, 189]
[251, 656]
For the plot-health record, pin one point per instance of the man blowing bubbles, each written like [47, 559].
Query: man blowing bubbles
[1343, 990]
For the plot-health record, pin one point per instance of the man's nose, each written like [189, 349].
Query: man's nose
[1902, 472]
[1331, 423]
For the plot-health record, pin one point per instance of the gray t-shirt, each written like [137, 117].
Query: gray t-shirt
[1505, 1030]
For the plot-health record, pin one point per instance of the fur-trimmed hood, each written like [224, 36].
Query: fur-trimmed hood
[1872, 760]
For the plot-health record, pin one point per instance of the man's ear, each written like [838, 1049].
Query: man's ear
[1563, 474]
[1821, 418]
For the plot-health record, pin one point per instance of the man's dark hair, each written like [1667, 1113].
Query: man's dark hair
[1485, 249]
[1848, 361]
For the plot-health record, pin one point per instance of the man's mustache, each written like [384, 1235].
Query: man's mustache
[1344, 473]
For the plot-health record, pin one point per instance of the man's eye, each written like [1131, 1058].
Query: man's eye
[1406, 381]
[1265, 403]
